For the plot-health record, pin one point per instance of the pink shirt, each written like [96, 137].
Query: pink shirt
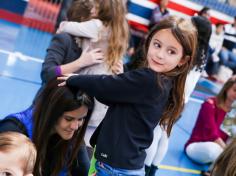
[207, 127]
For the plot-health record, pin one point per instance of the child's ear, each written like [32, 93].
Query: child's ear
[183, 61]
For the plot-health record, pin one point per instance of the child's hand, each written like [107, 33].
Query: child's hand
[64, 78]
[61, 26]
[118, 68]
[130, 51]
[92, 57]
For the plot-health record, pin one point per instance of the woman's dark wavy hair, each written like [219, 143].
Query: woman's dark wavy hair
[204, 30]
[185, 33]
[50, 105]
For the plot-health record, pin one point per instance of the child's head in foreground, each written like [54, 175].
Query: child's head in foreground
[17, 154]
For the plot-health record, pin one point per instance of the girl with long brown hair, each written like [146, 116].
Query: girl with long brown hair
[140, 99]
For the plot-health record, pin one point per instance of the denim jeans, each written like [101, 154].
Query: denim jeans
[228, 58]
[106, 170]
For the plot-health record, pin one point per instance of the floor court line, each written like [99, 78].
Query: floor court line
[180, 169]
[195, 100]
[19, 55]
[19, 79]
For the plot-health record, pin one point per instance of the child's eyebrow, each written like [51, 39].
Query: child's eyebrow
[156, 40]
[172, 47]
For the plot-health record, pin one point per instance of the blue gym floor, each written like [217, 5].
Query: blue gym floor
[22, 50]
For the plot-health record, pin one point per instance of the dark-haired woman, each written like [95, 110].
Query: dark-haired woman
[56, 124]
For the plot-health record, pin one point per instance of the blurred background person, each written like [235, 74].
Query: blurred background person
[228, 51]
[207, 140]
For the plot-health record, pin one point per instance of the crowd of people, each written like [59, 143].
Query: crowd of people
[91, 101]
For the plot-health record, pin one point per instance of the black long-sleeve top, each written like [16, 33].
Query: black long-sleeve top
[136, 103]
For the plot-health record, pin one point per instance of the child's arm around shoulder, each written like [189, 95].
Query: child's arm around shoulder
[129, 87]
[88, 29]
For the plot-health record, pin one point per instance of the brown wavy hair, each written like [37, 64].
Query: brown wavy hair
[80, 10]
[112, 14]
[185, 33]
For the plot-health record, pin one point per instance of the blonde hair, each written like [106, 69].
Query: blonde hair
[225, 164]
[13, 141]
[112, 14]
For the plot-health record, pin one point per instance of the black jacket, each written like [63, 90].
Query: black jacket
[136, 103]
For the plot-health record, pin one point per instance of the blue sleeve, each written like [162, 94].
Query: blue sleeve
[55, 56]
[129, 87]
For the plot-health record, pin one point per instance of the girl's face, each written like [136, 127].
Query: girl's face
[70, 121]
[164, 52]
[94, 10]
[231, 93]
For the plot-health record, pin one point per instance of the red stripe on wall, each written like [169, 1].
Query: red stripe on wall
[138, 26]
[38, 24]
[180, 8]
[33, 23]
[155, 1]
[217, 20]
[191, 12]
[9, 16]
